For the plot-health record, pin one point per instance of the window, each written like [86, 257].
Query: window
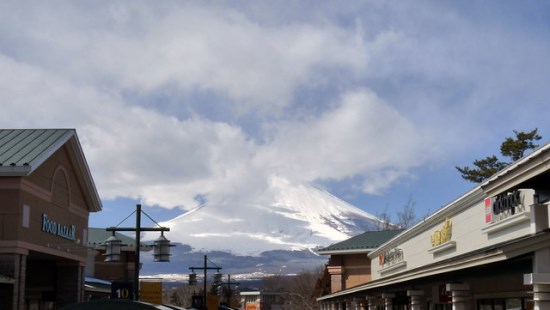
[26, 216]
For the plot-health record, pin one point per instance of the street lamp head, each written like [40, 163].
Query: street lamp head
[162, 249]
[112, 249]
[193, 278]
[218, 277]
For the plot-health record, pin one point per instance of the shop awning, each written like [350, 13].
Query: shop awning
[97, 285]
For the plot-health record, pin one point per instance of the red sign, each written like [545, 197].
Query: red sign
[488, 210]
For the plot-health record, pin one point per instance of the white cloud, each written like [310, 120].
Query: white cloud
[195, 47]
[366, 94]
[137, 152]
[361, 136]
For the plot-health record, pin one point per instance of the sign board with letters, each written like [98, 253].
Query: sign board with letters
[58, 229]
[503, 206]
[122, 290]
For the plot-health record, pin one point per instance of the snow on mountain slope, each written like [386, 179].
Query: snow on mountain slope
[299, 217]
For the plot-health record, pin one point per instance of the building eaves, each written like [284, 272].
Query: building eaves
[538, 157]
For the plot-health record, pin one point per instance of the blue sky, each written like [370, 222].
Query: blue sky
[376, 102]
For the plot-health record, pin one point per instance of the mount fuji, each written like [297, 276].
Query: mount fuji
[273, 235]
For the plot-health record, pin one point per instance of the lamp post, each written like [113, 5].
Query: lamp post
[193, 278]
[161, 245]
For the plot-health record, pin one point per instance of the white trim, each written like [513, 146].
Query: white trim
[463, 202]
[95, 202]
[332, 252]
[518, 172]
[393, 267]
[536, 278]
[511, 221]
[443, 247]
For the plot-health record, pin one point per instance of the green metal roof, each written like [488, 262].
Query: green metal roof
[364, 242]
[25, 149]
[97, 237]
[22, 151]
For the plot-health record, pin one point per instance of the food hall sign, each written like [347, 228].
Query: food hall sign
[64, 231]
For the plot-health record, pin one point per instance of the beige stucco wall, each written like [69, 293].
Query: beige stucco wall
[470, 232]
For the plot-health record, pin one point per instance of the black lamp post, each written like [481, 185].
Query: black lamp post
[193, 278]
[161, 245]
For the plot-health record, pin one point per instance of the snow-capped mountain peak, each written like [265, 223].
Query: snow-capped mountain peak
[300, 217]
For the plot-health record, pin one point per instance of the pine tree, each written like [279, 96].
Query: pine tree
[512, 148]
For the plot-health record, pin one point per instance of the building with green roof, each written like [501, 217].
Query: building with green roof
[47, 193]
[121, 271]
[349, 264]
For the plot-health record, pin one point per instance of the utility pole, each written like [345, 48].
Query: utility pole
[229, 291]
[138, 229]
[205, 268]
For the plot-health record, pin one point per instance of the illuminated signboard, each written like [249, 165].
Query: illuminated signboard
[444, 234]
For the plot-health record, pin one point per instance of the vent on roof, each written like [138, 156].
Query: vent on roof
[25, 164]
[12, 164]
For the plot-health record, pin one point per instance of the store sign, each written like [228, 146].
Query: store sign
[503, 206]
[61, 230]
[391, 257]
[444, 234]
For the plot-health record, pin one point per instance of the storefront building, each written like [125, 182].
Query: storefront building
[488, 249]
[349, 265]
[101, 275]
[46, 194]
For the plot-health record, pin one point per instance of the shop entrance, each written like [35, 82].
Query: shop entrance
[51, 282]
[6, 291]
